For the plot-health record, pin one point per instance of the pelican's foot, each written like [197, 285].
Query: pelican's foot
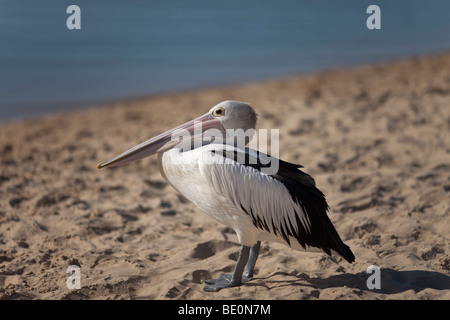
[224, 281]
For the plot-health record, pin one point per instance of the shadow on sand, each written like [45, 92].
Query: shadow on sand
[392, 281]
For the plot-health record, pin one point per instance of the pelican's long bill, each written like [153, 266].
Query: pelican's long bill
[165, 141]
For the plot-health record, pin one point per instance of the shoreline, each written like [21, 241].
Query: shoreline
[145, 97]
[374, 137]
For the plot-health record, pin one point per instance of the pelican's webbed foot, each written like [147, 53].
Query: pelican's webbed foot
[239, 276]
[224, 281]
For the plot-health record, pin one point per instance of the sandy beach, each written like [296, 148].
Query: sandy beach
[376, 138]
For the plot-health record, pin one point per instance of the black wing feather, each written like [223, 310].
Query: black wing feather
[303, 190]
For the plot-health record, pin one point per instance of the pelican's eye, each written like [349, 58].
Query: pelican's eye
[219, 112]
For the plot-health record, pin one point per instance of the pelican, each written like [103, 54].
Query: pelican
[228, 182]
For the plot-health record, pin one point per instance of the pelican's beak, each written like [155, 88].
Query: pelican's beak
[165, 141]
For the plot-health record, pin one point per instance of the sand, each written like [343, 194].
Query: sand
[376, 139]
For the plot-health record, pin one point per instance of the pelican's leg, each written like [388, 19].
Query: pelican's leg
[248, 273]
[230, 280]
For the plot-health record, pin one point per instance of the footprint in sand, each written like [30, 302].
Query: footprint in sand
[199, 275]
[209, 248]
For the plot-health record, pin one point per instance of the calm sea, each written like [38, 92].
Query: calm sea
[135, 48]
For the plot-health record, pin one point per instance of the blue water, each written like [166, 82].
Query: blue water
[135, 48]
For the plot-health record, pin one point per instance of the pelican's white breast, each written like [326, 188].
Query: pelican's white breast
[190, 174]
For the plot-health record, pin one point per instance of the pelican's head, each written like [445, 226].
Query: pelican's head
[227, 115]
[234, 115]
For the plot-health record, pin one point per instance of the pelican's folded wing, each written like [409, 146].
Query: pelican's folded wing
[286, 204]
